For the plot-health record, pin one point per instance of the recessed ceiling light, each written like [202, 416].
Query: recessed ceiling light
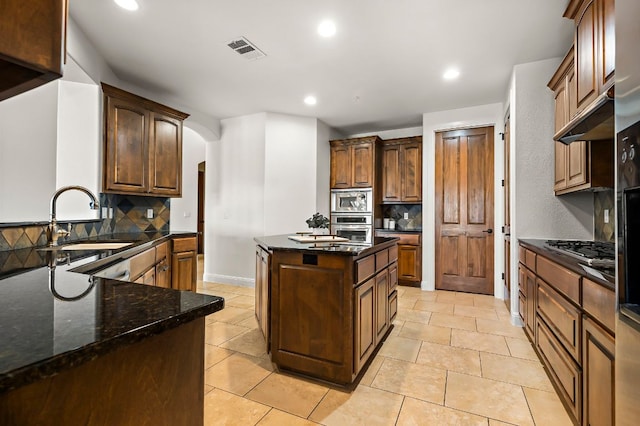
[310, 100]
[327, 28]
[451, 74]
[127, 4]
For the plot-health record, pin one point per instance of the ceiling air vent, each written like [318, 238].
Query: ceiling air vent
[245, 48]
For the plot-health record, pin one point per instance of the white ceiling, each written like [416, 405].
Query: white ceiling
[382, 69]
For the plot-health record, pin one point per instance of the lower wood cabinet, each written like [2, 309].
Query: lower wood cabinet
[184, 263]
[382, 304]
[598, 365]
[409, 256]
[163, 266]
[365, 329]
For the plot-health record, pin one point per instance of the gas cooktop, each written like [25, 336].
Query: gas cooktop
[593, 253]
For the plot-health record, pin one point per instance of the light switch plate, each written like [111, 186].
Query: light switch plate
[149, 213]
[406, 215]
[606, 216]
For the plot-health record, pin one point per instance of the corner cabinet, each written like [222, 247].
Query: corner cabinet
[402, 170]
[142, 145]
[32, 45]
[353, 162]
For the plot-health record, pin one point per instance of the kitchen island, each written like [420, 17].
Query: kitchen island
[325, 307]
[78, 349]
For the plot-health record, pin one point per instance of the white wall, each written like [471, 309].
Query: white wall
[394, 133]
[184, 211]
[28, 125]
[323, 172]
[483, 115]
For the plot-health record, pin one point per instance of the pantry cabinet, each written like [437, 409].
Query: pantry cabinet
[33, 45]
[142, 145]
[402, 170]
[353, 162]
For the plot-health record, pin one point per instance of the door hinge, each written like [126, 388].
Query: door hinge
[503, 183]
[501, 135]
[503, 275]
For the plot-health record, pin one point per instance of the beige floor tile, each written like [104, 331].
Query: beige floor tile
[397, 326]
[223, 408]
[406, 302]
[219, 332]
[372, 370]
[214, 354]
[476, 312]
[364, 406]
[487, 301]
[546, 408]
[479, 341]
[228, 296]
[289, 394]
[446, 296]
[245, 291]
[238, 373]
[500, 327]
[208, 388]
[251, 343]
[400, 348]
[244, 302]
[406, 378]
[280, 418]
[429, 306]
[428, 296]
[420, 413]
[413, 315]
[450, 358]
[425, 332]
[489, 398]
[521, 348]
[453, 321]
[232, 315]
[515, 370]
[250, 322]
[493, 422]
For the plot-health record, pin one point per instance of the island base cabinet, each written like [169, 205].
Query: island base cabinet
[159, 380]
[365, 331]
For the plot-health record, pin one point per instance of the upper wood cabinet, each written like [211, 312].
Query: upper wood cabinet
[32, 44]
[352, 162]
[594, 42]
[402, 170]
[142, 145]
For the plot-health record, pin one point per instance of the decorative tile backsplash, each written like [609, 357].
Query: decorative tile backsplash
[604, 200]
[129, 215]
[397, 211]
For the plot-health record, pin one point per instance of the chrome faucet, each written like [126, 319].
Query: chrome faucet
[53, 231]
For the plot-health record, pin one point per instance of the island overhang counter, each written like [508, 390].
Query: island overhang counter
[324, 308]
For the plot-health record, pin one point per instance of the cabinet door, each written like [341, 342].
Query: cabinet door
[530, 320]
[340, 166]
[409, 263]
[576, 164]
[585, 55]
[560, 170]
[598, 365]
[163, 273]
[522, 293]
[382, 304]
[183, 270]
[126, 168]
[393, 277]
[365, 329]
[262, 292]
[411, 175]
[607, 44]
[391, 186]
[362, 165]
[165, 155]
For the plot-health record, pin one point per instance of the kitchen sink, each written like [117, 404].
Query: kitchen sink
[95, 246]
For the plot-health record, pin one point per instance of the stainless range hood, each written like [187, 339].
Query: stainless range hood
[596, 122]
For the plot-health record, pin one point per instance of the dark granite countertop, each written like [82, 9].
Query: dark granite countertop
[605, 279]
[282, 242]
[52, 318]
[398, 231]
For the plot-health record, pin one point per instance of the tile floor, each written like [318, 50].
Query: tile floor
[452, 359]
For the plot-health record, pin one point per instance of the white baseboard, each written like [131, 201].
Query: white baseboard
[228, 279]
[427, 286]
[516, 320]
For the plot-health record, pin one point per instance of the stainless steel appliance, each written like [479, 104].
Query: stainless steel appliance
[593, 253]
[358, 228]
[627, 110]
[351, 201]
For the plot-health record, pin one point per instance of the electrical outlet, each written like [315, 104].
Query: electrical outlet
[606, 216]
[105, 213]
[406, 215]
[110, 214]
[149, 213]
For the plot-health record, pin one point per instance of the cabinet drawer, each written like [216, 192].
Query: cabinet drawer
[600, 303]
[561, 317]
[140, 263]
[162, 251]
[393, 254]
[382, 259]
[393, 306]
[184, 244]
[409, 239]
[365, 268]
[530, 259]
[563, 280]
[522, 255]
[564, 370]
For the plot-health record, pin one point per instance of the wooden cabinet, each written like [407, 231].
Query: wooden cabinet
[402, 170]
[32, 45]
[382, 304]
[142, 145]
[365, 322]
[594, 44]
[527, 291]
[184, 263]
[353, 162]
[262, 291]
[598, 370]
[163, 266]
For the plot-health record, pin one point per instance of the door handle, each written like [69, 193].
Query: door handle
[488, 231]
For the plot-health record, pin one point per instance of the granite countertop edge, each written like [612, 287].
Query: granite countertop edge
[282, 243]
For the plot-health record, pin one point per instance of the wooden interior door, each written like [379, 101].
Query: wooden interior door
[201, 204]
[464, 210]
[507, 210]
